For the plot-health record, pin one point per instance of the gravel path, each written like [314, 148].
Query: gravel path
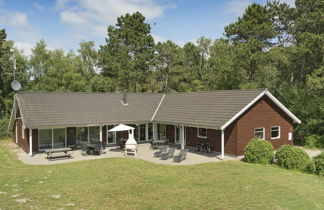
[311, 152]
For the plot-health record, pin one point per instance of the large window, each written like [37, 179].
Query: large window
[142, 132]
[150, 131]
[45, 139]
[259, 133]
[94, 134]
[202, 132]
[51, 138]
[275, 132]
[82, 135]
[59, 138]
[161, 128]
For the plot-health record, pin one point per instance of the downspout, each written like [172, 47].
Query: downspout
[222, 144]
[30, 142]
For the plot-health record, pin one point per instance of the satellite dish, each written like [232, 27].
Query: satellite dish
[15, 85]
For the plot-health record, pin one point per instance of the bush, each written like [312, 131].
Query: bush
[314, 141]
[319, 164]
[4, 132]
[258, 151]
[291, 157]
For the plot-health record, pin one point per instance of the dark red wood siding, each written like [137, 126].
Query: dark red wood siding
[213, 138]
[104, 134]
[170, 133]
[263, 113]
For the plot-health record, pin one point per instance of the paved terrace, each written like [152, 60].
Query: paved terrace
[145, 152]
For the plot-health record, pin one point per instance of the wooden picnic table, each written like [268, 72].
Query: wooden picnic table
[50, 152]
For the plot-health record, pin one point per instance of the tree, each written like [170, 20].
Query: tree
[56, 71]
[169, 66]
[255, 31]
[129, 52]
[7, 56]
[89, 59]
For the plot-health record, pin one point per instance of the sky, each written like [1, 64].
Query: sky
[64, 24]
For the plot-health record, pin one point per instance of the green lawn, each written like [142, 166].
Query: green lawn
[109, 183]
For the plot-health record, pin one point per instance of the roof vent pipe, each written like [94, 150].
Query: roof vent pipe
[124, 98]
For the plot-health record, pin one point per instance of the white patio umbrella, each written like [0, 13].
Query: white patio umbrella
[131, 143]
[121, 127]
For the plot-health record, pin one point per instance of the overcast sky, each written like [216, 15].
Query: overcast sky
[65, 23]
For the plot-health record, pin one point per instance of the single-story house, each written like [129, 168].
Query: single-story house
[227, 119]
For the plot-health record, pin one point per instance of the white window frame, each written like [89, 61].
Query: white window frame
[263, 130]
[204, 137]
[279, 132]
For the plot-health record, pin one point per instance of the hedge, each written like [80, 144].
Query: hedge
[4, 132]
[319, 164]
[291, 157]
[258, 151]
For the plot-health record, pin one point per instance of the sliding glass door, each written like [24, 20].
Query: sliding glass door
[51, 138]
[142, 130]
[94, 134]
[82, 135]
[59, 138]
[45, 139]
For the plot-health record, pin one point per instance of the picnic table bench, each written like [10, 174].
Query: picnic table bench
[50, 152]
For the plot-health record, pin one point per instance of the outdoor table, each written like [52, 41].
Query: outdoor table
[91, 146]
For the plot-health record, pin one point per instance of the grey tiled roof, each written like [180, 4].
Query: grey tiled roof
[60, 109]
[209, 109]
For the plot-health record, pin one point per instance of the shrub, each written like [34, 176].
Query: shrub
[314, 141]
[319, 164]
[258, 151]
[291, 157]
[4, 132]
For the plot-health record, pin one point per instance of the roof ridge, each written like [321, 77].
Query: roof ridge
[213, 91]
[81, 93]
[85, 93]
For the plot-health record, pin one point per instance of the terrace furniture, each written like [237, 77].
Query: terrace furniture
[122, 142]
[84, 150]
[91, 148]
[168, 154]
[181, 156]
[162, 150]
[158, 143]
[103, 148]
[50, 152]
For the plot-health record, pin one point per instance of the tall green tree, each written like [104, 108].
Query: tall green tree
[89, 59]
[169, 67]
[255, 31]
[129, 52]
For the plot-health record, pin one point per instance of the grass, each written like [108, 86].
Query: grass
[126, 183]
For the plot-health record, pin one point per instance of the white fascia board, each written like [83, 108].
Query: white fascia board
[243, 110]
[12, 115]
[157, 108]
[283, 108]
[273, 99]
